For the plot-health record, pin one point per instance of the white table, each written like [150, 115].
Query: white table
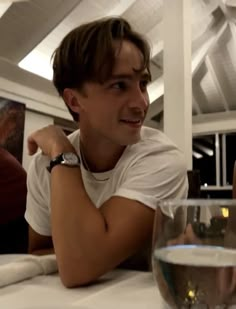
[116, 290]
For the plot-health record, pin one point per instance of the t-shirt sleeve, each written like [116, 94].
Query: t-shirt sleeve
[38, 197]
[155, 177]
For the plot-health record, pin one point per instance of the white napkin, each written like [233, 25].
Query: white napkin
[27, 267]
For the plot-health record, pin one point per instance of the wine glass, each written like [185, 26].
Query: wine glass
[194, 253]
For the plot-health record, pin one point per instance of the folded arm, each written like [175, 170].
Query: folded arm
[93, 241]
[88, 241]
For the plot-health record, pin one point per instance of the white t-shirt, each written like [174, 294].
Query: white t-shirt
[151, 170]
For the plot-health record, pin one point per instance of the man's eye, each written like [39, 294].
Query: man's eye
[144, 84]
[119, 85]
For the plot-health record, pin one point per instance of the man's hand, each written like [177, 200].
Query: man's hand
[51, 140]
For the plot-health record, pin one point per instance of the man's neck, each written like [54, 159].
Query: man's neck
[100, 156]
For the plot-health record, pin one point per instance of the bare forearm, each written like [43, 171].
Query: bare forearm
[79, 230]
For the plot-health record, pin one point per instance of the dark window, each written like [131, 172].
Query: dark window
[230, 156]
[204, 158]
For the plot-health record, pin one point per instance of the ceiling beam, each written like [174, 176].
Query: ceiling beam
[121, 8]
[200, 55]
[14, 73]
[232, 27]
[44, 17]
[214, 122]
[212, 71]
[152, 124]
[154, 109]
[231, 3]
[203, 8]
[156, 88]
[157, 49]
[214, 117]
[196, 105]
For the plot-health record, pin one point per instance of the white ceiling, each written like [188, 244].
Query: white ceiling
[32, 29]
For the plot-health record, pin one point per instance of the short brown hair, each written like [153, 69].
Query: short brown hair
[87, 53]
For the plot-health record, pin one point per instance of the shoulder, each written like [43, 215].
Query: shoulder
[153, 169]
[155, 159]
[154, 146]
[156, 140]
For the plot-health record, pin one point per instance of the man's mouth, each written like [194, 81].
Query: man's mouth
[134, 122]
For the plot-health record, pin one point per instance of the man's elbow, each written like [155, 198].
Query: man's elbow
[79, 275]
[70, 282]
[74, 281]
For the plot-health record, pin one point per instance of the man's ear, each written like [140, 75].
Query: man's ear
[71, 98]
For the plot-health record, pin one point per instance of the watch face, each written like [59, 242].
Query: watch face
[70, 158]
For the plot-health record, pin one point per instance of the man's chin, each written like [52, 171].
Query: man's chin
[131, 140]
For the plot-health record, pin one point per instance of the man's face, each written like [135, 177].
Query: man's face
[115, 110]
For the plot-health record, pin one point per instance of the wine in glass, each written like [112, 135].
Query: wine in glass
[194, 253]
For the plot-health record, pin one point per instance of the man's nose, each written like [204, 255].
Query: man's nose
[140, 99]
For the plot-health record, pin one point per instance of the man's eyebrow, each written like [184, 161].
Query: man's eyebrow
[121, 76]
[144, 75]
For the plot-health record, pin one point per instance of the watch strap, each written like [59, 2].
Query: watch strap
[60, 159]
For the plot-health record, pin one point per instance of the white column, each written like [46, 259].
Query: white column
[177, 74]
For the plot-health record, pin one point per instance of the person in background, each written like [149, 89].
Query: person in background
[13, 191]
[92, 196]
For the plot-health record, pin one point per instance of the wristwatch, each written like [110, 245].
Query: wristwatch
[70, 159]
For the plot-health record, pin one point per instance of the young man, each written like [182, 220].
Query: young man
[97, 203]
